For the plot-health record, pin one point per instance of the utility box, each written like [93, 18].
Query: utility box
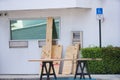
[77, 37]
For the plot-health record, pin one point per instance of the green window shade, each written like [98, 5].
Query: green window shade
[32, 29]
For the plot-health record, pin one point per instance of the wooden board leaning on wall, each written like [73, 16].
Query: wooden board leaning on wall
[69, 67]
[56, 54]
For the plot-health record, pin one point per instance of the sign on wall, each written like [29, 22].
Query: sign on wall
[99, 13]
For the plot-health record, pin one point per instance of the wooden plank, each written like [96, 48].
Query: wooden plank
[81, 59]
[47, 50]
[76, 53]
[71, 52]
[49, 36]
[56, 54]
[44, 54]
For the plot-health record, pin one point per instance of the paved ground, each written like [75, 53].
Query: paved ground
[36, 77]
[107, 77]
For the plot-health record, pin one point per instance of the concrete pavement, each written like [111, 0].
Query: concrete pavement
[34, 77]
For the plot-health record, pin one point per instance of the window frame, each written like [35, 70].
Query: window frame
[33, 19]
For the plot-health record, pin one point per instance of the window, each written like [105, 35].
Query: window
[26, 29]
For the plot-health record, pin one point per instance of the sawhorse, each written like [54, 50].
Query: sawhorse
[48, 71]
[82, 65]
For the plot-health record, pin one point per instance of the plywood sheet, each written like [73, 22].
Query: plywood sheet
[56, 54]
[44, 54]
[69, 67]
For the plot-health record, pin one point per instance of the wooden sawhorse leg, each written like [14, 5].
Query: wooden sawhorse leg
[47, 71]
[82, 65]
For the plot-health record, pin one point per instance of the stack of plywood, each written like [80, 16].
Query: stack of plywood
[69, 67]
[56, 54]
[50, 51]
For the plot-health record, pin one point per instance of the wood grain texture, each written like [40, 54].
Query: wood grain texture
[47, 49]
[49, 29]
[71, 52]
[56, 54]
[82, 59]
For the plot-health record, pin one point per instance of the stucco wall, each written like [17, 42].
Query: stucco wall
[42, 4]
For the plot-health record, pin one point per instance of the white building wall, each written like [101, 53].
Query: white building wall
[15, 60]
[111, 25]
[42, 4]
[34, 4]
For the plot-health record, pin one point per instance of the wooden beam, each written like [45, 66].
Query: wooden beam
[68, 59]
[47, 50]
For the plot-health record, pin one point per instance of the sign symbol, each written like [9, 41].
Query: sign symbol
[99, 11]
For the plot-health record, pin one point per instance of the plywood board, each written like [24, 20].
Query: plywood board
[56, 54]
[48, 48]
[69, 67]
[50, 51]
[44, 54]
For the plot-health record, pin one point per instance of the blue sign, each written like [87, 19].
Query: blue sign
[99, 10]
